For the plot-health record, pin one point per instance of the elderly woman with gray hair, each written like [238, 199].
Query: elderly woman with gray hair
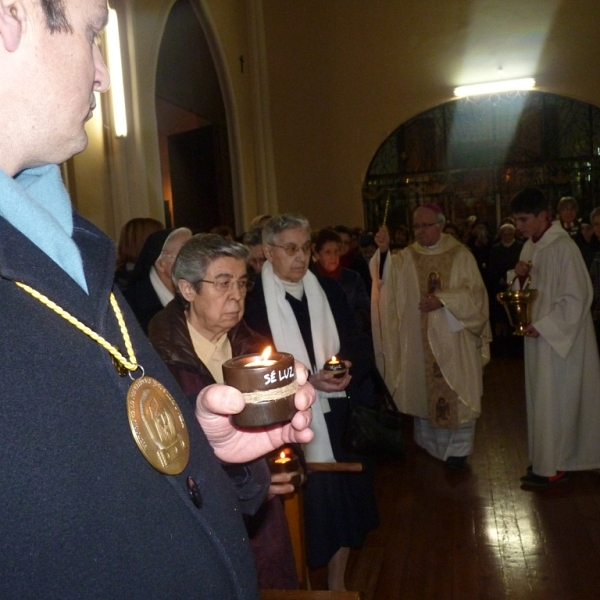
[308, 316]
[195, 334]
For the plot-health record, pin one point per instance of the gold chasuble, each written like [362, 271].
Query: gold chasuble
[432, 362]
[432, 272]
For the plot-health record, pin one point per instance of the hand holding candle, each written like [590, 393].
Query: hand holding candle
[333, 377]
[268, 385]
[286, 462]
[216, 403]
[335, 366]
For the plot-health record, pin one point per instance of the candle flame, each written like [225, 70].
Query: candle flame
[282, 455]
[334, 360]
[266, 353]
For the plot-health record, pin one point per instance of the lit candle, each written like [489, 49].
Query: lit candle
[282, 459]
[268, 383]
[337, 366]
[262, 360]
[287, 463]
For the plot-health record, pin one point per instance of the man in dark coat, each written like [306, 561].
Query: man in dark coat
[94, 504]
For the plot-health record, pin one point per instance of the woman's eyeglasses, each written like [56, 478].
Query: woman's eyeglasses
[226, 285]
[293, 249]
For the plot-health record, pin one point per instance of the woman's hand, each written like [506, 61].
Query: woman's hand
[280, 484]
[326, 381]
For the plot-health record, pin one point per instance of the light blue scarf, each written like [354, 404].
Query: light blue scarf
[37, 204]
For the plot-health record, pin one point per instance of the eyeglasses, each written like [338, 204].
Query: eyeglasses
[227, 285]
[417, 226]
[293, 249]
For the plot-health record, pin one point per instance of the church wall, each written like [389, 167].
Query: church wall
[344, 74]
[338, 78]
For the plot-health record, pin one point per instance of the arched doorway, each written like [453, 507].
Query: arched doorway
[192, 127]
[472, 155]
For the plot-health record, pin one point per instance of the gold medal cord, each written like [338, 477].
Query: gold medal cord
[130, 365]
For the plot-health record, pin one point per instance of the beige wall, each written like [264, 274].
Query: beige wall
[328, 82]
[344, 74]
[117, 179]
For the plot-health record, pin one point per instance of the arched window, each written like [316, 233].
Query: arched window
[472, 155]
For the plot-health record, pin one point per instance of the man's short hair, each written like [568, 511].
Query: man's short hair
[440, 217]
[529, 201]
[594, 213]
[176, 233]
[56, 16]
[276, 225]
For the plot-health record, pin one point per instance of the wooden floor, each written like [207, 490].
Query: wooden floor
[479, 534]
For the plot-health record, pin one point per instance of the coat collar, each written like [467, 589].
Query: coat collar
[21, 260]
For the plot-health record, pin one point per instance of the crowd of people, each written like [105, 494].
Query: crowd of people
[419, 304]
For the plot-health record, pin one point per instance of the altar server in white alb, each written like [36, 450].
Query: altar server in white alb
[431, 334]
[562, 369]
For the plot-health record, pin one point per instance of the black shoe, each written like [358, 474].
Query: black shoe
[537, 480]
[456, 463]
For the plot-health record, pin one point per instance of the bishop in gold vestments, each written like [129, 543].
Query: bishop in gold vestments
[431, 333]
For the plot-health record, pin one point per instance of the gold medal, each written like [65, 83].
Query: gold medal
[158, 426]
[155, 420]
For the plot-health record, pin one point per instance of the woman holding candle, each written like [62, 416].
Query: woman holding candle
[194, 335]
[309, 317]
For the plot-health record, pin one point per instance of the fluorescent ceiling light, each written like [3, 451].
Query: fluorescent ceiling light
[494, 87]
[116, 74]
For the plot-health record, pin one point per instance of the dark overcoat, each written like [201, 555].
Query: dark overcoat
[84, 515]
[269, 533]
[339, 508]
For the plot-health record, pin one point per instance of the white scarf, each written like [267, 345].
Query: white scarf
[287, 338]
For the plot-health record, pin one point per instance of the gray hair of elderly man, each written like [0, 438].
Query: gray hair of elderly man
[172, 237]
[276, 225]
[199, 252]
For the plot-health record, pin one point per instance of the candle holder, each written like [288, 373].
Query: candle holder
[268, 387]
[287, 463]
[338, 367]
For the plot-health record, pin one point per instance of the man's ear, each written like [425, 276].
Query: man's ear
[268, 252]
[12, 17]
[187, 289]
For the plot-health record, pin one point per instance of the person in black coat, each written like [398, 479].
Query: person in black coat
[309, 317]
